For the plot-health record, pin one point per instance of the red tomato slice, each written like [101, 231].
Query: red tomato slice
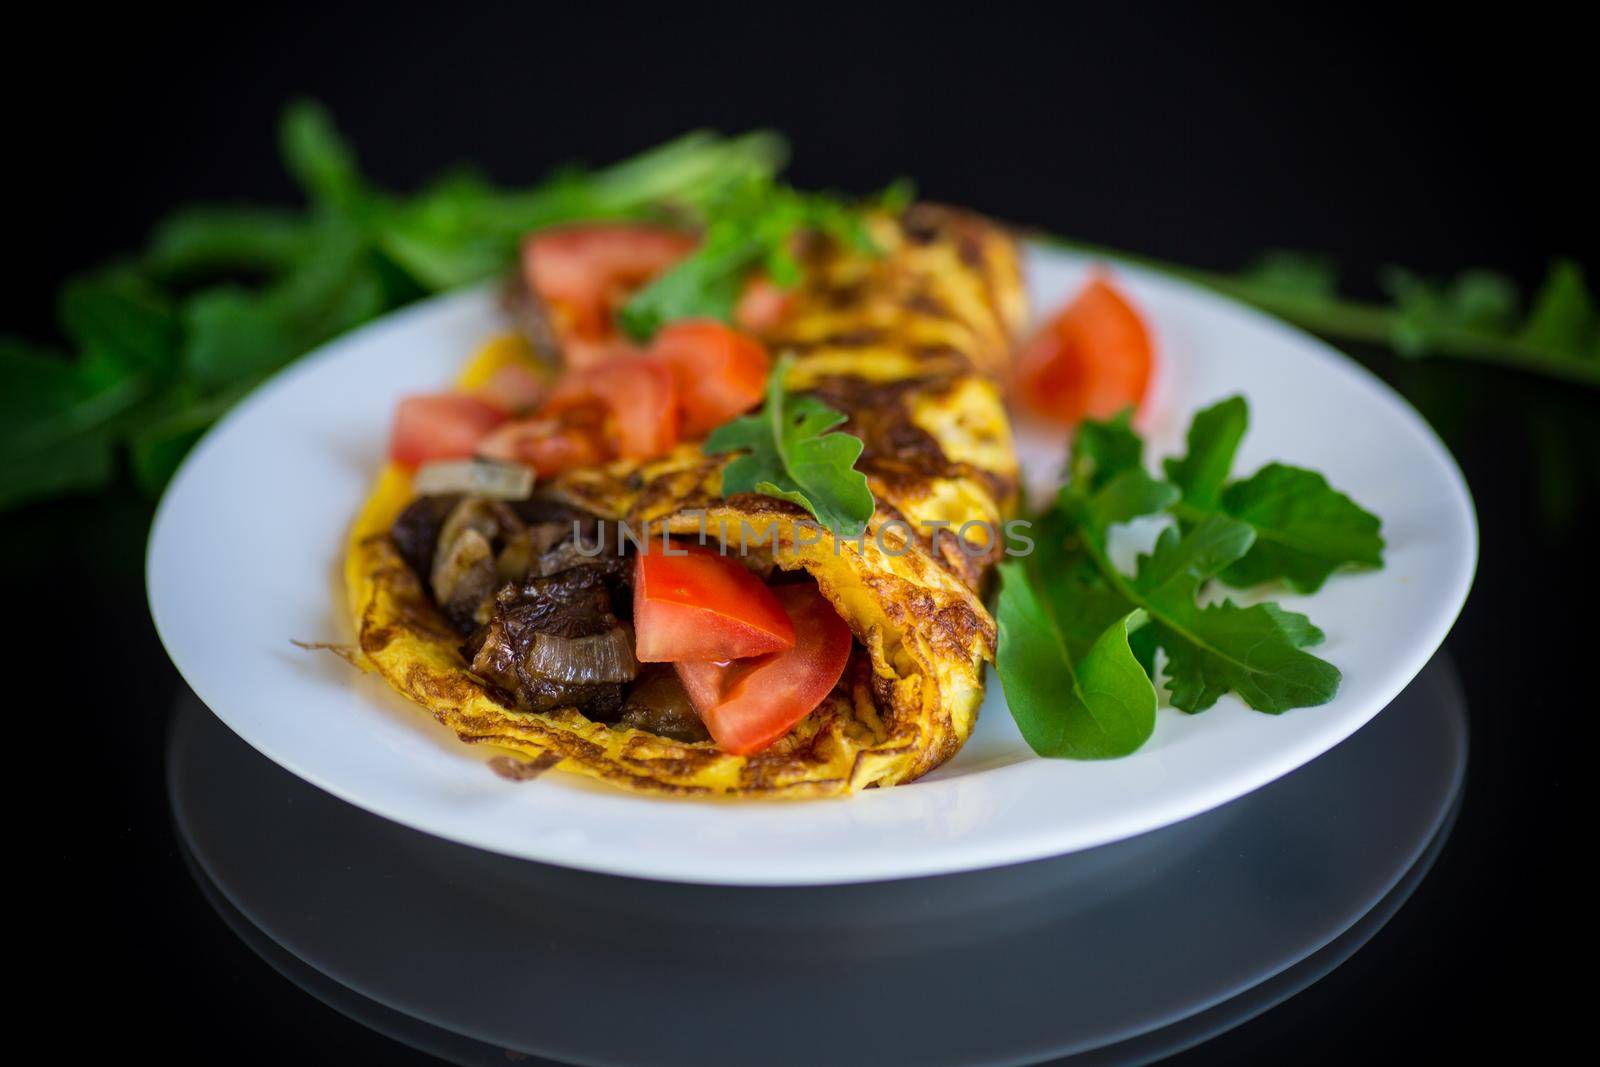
[514, 389]
[549, 446]
[589, 270]
[1091, 361]
[703, 606]
[639, 395]
[762, 305]
[719, 371]
[749, 704]
[439, 426]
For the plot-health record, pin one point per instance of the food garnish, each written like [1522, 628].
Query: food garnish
[635, 395]
[440, 426]
[1072, 623]
[1304, 528]
[790, 455]
[693, 603]
[720, 372]
[751, 224]
[582, 271]
[749, 704]
[1091, 360]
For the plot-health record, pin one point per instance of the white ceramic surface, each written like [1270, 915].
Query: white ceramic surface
[244, 556]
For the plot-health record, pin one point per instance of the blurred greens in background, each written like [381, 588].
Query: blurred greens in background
[223, 296]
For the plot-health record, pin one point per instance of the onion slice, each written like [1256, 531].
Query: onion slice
[475, 477]
[599, 659]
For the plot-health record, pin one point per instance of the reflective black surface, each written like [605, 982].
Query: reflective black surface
[1111, 947]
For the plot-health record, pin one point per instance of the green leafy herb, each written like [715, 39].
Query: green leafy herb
[1214, 436]
[1103, 450]
[791, 455]
[1473, 316]
[1211, 650]
[1304, 528]
[225, 295]
[1097, 704]
[751, 226]
[1071, 622]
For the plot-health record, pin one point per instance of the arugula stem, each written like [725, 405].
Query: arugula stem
[1120, 583]
[1356, 321]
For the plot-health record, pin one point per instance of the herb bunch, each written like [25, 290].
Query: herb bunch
[790, 454]
[225, 295]
[1079, 637]
[1478, 315]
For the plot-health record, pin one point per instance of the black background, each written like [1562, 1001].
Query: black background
[1176, 133]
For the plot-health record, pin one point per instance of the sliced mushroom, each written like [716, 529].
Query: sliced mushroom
[464, 576]
[482, 545]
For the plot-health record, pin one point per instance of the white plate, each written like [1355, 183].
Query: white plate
[245, 551]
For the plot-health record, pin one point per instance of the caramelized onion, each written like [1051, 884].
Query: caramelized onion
[476, 477]
[602, 658]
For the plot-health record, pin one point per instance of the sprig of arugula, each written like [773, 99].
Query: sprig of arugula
[225, 295]
[789, 454]
[1478, 315]
[1071, 622]
[750, 226]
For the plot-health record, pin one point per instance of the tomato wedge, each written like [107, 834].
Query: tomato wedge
[638, 393]
[549, 446]
[703, 606]
[749, 704]
[440, 426]
[719, 371]
[588, 271]
[1091, 361]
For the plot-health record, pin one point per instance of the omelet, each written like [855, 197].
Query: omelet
[913, 345]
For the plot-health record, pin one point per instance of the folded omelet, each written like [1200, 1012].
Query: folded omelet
[912, 344]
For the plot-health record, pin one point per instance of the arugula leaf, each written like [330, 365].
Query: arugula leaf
[53, 420]
[1480, 301]
[1294, 274]
[752, 225]
[318, 158]
[124, 326]
[1101, 450]
[1096, 704]
[208, 240]
[1084, 603]
[791, 456]
[1304, 528]
[236, 334]
[1565, 318]
[1072, 623]
[1211, 650]
[1214, 436]
[1252, 651]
